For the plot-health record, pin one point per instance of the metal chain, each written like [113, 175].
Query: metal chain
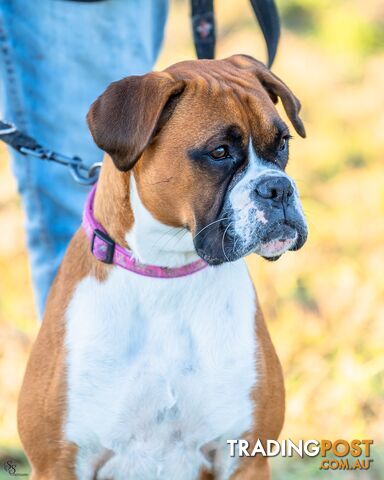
[80, 172]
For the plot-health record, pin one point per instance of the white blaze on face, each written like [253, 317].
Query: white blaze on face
[242, 198]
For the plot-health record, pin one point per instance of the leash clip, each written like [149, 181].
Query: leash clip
[7, 128]
[91, 175]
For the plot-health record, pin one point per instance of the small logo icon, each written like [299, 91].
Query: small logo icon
[204, 28]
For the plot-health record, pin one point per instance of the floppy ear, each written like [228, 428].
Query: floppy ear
[275, 88]
[125, 117]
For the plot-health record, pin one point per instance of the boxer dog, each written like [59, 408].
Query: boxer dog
[153, 351]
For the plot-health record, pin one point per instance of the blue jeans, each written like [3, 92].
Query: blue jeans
[56, 57]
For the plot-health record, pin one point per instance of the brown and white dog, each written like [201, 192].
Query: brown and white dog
[137, 378]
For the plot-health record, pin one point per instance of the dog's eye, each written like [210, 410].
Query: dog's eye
[284, 142]
[219, 153]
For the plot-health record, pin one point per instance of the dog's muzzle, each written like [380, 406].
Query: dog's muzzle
[262, 216]
[285, 227]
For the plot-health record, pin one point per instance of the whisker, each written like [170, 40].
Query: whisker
[209, 224]
[181, 230]
[222, 241]
[234, 245]
[155, 244]
[178, 238]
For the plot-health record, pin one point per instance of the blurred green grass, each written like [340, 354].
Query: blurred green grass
[308, 469]
[324, 304]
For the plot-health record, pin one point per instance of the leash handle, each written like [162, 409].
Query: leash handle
[203, 27]
[26, 145]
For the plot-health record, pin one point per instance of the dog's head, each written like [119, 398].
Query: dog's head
[208, 151]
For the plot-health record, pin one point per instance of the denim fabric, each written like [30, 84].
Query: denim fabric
[56, 57]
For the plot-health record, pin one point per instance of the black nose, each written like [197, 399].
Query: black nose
[275, 188]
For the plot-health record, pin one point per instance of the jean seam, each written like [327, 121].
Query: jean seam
[22, 123]
[11, 78]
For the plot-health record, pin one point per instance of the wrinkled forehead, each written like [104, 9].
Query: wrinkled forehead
[220, 95]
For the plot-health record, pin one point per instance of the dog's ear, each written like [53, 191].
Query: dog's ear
[274, 86]
[124, 119]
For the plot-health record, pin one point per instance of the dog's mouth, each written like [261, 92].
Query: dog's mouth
[281, 238]
[276, 247]
[271, 244]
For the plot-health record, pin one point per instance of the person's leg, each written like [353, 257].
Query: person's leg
[56, 57]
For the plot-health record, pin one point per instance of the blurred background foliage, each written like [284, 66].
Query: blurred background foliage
[324, 304]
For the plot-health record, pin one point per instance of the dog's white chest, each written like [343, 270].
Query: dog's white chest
[160, 372]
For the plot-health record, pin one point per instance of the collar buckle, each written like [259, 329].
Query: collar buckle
[102, 246]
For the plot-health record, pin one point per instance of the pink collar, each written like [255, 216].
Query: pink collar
[106, 250]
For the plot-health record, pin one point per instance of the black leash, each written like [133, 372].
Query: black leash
[204, 37]
[203, 28]
[26, 145]
[268, 18]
